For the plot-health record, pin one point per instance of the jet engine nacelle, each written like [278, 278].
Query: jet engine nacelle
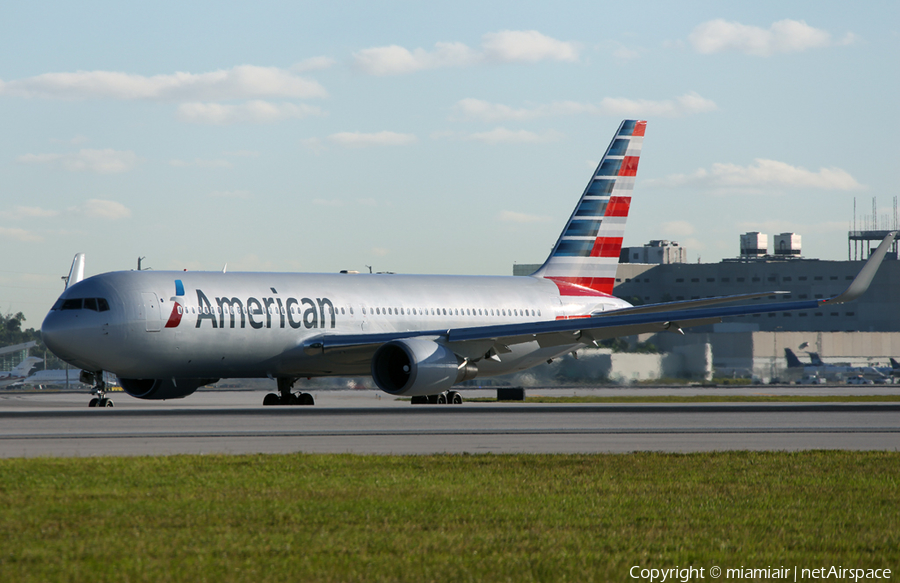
[418, 366]
[158, 389]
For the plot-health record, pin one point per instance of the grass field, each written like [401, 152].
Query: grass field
[442, 518]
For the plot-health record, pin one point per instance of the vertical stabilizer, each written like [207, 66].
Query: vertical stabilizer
[76, 273]
[792, 360]
[815, 360]
[586, 255]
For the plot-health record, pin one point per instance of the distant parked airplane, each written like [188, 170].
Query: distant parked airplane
[823, 369]
[20, 371]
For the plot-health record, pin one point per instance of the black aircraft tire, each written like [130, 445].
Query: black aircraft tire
[93, 402]
[307, 399]
[455, 398]
[271, 399]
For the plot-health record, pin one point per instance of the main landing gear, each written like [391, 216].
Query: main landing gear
[445, 398]
[286, 397]
[99, 389]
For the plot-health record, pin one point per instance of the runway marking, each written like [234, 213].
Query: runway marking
[861, 407]
[409, 432]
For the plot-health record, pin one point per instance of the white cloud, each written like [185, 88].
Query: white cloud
[256, 111]
[200, 163]
[687, 104]
[526, 46]
[359, 139]
[109, 210]
[508, 46]
[505, 136]
[396, 60]
[313, 64]
[233, 194]
[241, 82]
[515, 217]
[786, 226]
[784, 36]
[28, 212]
[332, 202]
[762, 174]
[106, 161]
[625, 54]
[19, 235]
[677, 229]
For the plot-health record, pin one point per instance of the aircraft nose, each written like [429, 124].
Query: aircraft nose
[71, 337]
[57, 334]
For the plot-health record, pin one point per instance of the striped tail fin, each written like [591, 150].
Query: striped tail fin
[585, 258]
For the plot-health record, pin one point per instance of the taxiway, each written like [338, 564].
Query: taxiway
[373, 423]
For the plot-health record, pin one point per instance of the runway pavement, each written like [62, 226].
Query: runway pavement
[371, 422]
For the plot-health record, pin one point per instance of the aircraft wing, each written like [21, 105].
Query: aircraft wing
[493, 341]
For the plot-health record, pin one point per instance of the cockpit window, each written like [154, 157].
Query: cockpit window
[95, 304]
[73, 304]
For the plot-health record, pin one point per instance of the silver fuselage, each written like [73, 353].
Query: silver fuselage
[245, 325]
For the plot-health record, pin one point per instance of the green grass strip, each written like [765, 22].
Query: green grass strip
[700, 399]
[442, 518]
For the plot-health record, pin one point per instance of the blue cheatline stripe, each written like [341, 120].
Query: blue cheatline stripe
[591, 208]
[618, 148]
[609, 168]
[582, 229]
[600, 187]
[179, 288]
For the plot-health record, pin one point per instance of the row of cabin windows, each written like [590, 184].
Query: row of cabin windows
[451, 312]
[274, 310]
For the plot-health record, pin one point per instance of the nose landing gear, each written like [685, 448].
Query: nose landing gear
[286, 397]
[99, 389]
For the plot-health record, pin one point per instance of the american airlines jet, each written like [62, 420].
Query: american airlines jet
[165, 334]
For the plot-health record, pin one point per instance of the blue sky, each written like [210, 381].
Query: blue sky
[427, 137]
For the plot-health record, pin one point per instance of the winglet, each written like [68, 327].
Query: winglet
[76, 272]
[859, 285]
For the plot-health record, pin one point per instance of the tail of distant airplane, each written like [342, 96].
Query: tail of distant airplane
[895, 365]
[22, 369]
[586, 255]
[792, 360]
[815, 360]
